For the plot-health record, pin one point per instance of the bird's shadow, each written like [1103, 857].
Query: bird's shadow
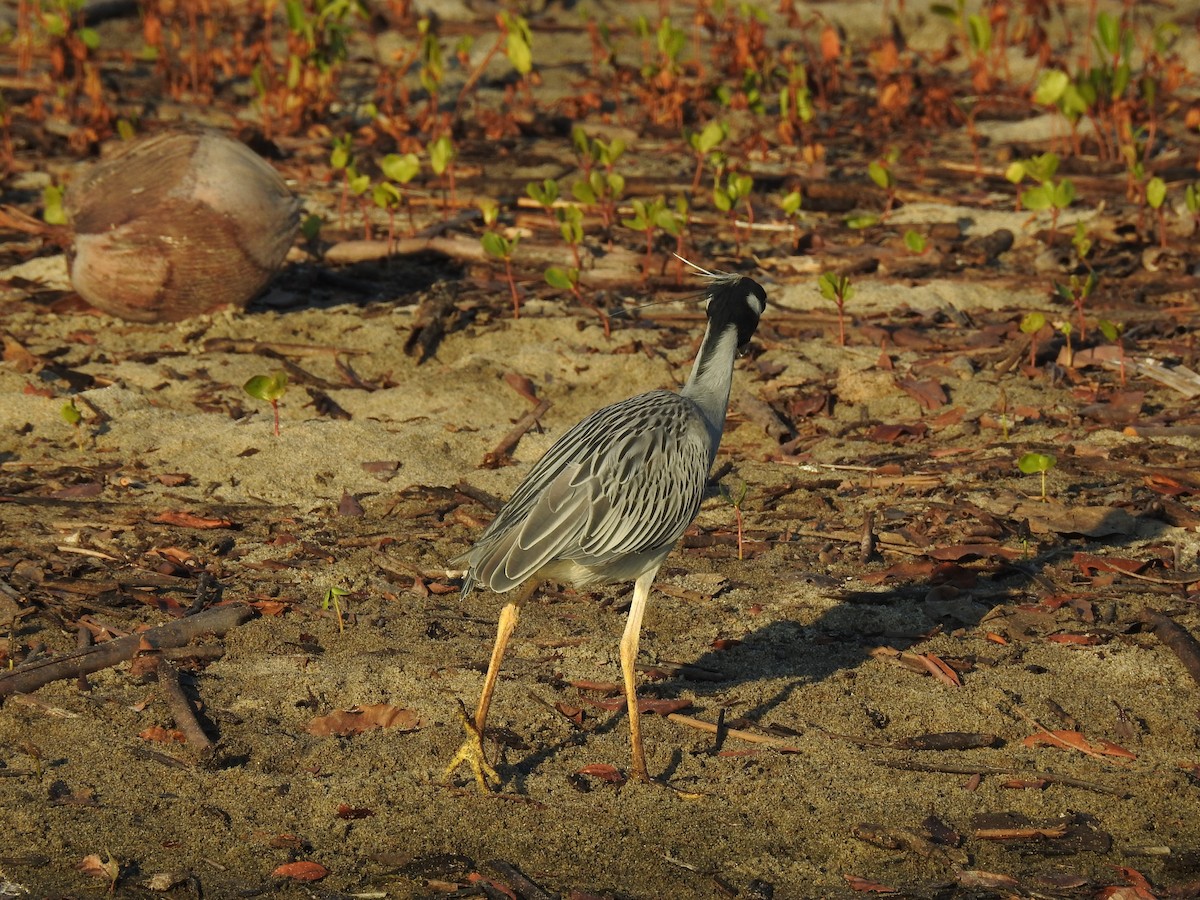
[795, 653]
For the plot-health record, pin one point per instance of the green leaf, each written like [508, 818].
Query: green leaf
[860, 221]
[1037, 198]
[1052, 84]
[53, 211]
[915, 241]
[1156, 192]
[400, 168]
[1032, 463]
[790, 203]
[834, 287]
[563, 279]
[582, 191]
[710, 138]
[311, 227]
[1108, 33]
[441, 154]
[543, 194]
[1032, 322]
[979, 33]
[1110, 330]
[519, 52]
[1064, 193]
[90, 38]
[881, 175]
[1015, 172]
[1191, 197]
[496, 245]
[385, 195]
[70, 413]
[267, 387]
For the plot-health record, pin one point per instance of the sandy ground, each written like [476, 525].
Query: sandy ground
[797, 642]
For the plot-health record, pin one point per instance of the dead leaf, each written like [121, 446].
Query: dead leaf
[163, 735]
[1081, 640]
[189, 520]
[349, 505]
[926, 392]
[603, 771]
[301, 871]
[345, 811]
[1089, 565]
[897, 434]
[522, 386]
[866, 886]
[1074, 740]
[349, 722]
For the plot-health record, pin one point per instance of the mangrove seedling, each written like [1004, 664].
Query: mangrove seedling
[333, 599]
[1156, 196]
[1114, 333]
[270, 388]
[544, 195]
[502, 248]
[837, 289]
[1031, 463]
[441, 160]
[1065, 328]
[399, 169]
[737, 189]
[1048, 193]
[1075, 293]
[735, 498]
[647, 217]
[703, 143]
[1031, 324]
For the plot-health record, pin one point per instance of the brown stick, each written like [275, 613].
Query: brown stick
[181, 708]
[218, 620]
[1177, 639]
[495, 458]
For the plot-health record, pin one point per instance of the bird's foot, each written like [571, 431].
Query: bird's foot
[471, 753]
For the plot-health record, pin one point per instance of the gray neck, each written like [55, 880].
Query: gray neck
[712, 376]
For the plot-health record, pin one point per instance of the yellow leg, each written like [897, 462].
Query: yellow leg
[629, 651]
[471, 752]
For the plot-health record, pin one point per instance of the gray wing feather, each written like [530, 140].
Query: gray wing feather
[628, 479]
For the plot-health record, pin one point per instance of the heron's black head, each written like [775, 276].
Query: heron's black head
[736, 300]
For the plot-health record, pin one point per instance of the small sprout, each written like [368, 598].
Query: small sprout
[270, 388]
[53, 212]
[860, 221]
[563, 279]
[1031, 324]
[311, 227]
[333, 599]
[1156, 196]
[1114, 333]
[499, 247]
[837, 288]
[790, 203]
[1076, 293]
[735, 499]
[70, 413]
[1065, 328]
[1031, 463]
[1081, 242]
[544, 195]
[915, 242]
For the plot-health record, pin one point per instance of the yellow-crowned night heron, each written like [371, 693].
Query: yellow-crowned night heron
[611, 498]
